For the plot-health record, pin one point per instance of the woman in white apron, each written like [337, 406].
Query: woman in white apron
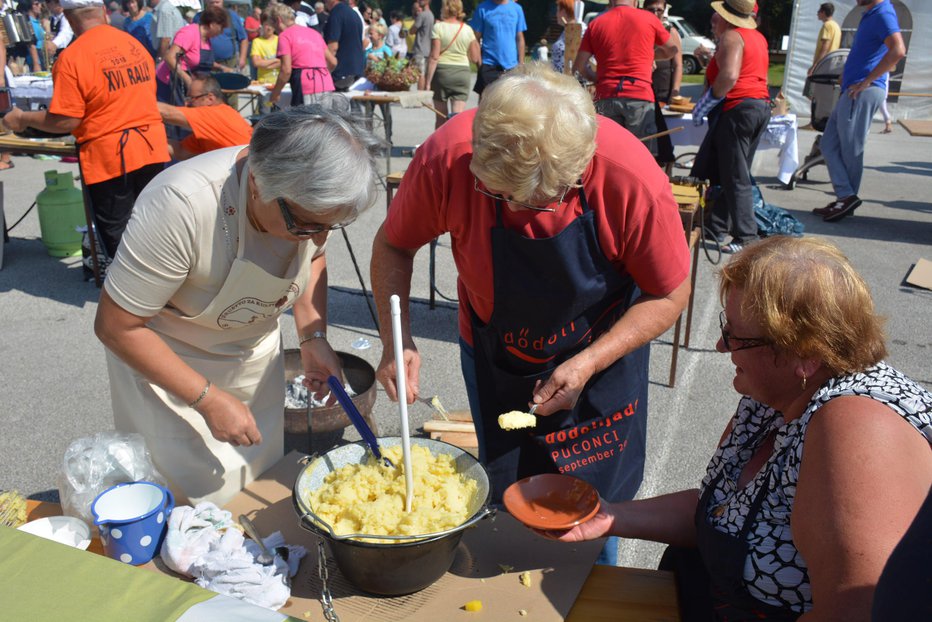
[218, 247]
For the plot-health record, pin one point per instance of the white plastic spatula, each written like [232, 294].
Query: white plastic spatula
[402, 397]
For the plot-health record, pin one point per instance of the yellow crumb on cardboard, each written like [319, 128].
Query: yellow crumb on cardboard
[473, 605]
[522, 612]
[515, 420]
[525, 578]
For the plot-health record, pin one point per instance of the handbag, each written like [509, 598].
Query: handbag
[451, 41]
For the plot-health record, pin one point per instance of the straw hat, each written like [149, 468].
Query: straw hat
[738, 13]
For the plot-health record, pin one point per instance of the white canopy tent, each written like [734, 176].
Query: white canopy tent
[913, 74]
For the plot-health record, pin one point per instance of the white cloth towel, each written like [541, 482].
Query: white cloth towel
[201, 544]
[230, 568]
[191, 532]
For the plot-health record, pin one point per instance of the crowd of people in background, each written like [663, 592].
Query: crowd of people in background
[550, 192]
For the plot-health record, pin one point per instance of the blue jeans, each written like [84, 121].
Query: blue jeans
[609, 554]
[845, 137]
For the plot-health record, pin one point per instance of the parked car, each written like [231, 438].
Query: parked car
[693, 62]
[697, 48]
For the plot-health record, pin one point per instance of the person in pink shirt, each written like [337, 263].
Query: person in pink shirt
[190, 54]
[306, 59]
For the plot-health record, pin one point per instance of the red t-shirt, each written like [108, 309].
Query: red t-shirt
[252, 27]
[639, 227]
[752, 81]
[106, 78]
[215, 127]
[622, 41]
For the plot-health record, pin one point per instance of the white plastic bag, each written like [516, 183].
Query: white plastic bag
[95, 463]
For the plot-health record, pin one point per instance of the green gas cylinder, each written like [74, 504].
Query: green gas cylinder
[61, 210]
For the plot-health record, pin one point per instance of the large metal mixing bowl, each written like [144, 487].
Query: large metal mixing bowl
[397, 565]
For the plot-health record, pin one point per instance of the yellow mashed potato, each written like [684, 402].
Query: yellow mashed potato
[370, 498]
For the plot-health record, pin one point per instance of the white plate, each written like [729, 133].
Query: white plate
[65, 529]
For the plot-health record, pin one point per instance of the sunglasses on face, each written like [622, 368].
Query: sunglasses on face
[733, 343]
[305, 231]
[193, 98]
[501, 197]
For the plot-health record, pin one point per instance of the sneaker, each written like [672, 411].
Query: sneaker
[841, 208]
[713, 237]
[822, 211]
[732, 248]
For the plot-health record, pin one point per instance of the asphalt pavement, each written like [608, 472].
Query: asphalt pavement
[53, 379]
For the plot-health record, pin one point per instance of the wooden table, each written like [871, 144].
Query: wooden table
[688, 200]
[609, 593]
[11, 142]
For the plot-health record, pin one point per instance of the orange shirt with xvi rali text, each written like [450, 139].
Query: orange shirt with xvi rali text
[107, 79]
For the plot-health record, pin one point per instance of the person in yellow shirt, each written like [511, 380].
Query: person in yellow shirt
[263, 52]
[829, 38]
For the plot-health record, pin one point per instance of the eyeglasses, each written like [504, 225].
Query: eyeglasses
[728, 338]
[536, 208]
[193, 98]
[305, 231]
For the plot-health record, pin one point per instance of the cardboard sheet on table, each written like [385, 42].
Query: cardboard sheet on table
[558, 570]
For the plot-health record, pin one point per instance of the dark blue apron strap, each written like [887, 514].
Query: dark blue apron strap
[124, 138]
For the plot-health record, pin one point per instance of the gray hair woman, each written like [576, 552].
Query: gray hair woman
[218, 247]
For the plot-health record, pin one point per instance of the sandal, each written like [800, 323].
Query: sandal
[8, 165]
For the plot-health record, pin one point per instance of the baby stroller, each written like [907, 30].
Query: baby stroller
[823, 88]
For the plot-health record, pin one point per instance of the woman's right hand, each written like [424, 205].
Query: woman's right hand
[599, 526]
[229, 419]
[386, 373]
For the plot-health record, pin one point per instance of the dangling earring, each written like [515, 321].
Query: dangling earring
[804, 382]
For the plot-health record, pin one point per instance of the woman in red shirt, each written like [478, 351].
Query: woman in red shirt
[737, 103]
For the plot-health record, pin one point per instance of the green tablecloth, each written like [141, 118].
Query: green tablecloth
[44, 580]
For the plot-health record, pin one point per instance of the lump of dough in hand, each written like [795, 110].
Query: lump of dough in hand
[516, 419]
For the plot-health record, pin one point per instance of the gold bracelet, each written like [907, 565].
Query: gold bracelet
[201, 396]
[317, 334]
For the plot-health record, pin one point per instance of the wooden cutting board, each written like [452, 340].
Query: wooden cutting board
[685, 108]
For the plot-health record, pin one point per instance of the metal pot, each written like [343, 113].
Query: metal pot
[12, 32]
[396, 565]
[24, 28]
[360, 376]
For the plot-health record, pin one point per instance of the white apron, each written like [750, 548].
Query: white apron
[222, 343]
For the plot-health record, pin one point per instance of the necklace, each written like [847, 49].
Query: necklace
[252, 221]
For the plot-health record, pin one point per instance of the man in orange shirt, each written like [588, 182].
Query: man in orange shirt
[104, 95]
[213, 124]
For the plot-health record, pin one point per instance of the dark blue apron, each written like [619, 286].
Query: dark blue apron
[553, 296]
[297, 83]
[724, 557]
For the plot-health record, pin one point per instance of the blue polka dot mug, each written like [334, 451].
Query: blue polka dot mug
[132, 520]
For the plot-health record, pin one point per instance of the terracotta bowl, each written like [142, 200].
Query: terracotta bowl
[551, 501]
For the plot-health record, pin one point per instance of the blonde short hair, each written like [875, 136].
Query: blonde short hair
[452, 8]
[379, 28]
[809, 301]
[534, 133]
[280, 11]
